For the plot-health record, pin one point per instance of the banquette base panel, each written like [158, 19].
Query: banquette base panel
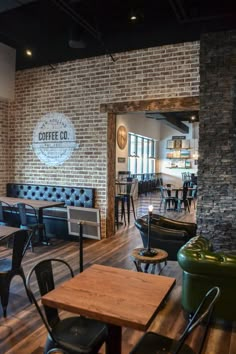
[55, 219]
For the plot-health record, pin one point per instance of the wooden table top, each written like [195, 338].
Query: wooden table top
[37, 204]
[116, 296]
[6, 231]
[161, 256]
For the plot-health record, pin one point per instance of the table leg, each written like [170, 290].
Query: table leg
[128, 208]
[113, 344]
[138, 266]
[42, 239]
[153, 268]
[161, 267]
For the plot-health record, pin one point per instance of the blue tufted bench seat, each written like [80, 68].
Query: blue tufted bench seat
[55, 218]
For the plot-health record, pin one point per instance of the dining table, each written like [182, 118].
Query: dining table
[117, 297]
[7, 231]
[38, 205]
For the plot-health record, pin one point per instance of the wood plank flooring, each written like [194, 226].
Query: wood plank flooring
[22, 331]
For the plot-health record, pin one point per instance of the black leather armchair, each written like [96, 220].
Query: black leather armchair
[167, 234]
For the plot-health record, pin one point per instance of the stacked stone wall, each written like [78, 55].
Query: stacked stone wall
[216, 213]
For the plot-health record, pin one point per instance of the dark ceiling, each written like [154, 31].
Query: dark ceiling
[104, 26]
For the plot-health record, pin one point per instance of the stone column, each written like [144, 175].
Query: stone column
[216, 211]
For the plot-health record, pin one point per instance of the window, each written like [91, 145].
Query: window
[142, 154]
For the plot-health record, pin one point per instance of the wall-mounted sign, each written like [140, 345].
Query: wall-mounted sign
[121, 159]
[54, 139]
[182, 137]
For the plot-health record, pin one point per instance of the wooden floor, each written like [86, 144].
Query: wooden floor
[22, 331]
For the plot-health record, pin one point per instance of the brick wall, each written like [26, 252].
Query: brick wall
[216, 213]
[4, 146]
[77, 89]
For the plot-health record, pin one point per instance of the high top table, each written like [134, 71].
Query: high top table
[118, 297]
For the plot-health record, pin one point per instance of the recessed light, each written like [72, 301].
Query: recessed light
[133, 18]
[193, 117]
[28, 52]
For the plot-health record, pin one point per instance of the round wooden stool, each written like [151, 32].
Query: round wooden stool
[138, 259]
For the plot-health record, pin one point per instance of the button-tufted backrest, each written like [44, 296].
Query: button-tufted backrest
[74, 196]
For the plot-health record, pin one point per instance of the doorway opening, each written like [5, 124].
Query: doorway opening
[180, 104]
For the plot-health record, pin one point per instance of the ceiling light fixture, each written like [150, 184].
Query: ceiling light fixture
[28, 52]
[75, 38]
[133, 15]
[77, 18]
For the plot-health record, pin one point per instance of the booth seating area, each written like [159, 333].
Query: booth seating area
[167, 234]
[55, 219]
[202, 269]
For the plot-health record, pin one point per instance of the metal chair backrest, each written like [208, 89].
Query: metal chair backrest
[3, 207]
[19, 242]
[165, 192]
[22, 209]
[203, 312]
[44, 274]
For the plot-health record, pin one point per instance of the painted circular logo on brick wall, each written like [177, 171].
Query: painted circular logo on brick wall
[54, 139]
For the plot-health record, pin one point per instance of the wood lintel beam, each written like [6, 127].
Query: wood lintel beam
[176, 104]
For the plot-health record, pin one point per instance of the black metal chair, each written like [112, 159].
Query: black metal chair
[166, 198]
[192, 195]
[9, 267]
[153, 343]
[29, 221]
[119, 199]
[127, 195]
[75, 334]
[183, 199]
[5, 210]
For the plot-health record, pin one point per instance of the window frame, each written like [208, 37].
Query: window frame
[137, 145]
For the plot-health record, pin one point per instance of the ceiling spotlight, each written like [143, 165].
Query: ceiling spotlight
[77, 44]
[75, 40]
[193, 118]
[28, 52]
[133, 15]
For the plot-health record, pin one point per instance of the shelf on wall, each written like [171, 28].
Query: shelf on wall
[178, 158]
[180, 168]
[178, 149]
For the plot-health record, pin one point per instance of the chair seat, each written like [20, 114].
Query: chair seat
[80, 334]
[5, 265]
[153, 343]
[3, 223]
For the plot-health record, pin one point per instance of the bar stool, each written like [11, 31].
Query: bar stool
[127, 193]
[119, 199]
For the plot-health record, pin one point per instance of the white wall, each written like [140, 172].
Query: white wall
[135, 123]
[7, 72]
[174, 175]
[138, 124]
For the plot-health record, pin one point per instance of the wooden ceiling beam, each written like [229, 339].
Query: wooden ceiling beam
[171, 121]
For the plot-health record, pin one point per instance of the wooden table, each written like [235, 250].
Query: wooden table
[6, 231]
[39, 205]
[118, 297]
[138, 259]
